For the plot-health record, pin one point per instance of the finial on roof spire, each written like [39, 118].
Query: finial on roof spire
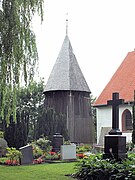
[67, 24]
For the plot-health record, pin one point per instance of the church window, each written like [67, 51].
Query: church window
[127, 121]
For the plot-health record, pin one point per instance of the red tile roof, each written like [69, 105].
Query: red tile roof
[123, 81]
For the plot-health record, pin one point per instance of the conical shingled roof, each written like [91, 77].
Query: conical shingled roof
[66, 73]
[123, 82]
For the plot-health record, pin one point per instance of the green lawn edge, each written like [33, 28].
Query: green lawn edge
[37, 172]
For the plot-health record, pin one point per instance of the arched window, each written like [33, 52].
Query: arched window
[127, 121]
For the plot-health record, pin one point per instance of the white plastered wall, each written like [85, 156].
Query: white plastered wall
[104, 119]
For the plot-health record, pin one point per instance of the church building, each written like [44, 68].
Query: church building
[123, 82]
[67, 92]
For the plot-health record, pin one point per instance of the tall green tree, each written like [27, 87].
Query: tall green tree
[18, 52]
[32, 119]
[49, 122]
[29, 105]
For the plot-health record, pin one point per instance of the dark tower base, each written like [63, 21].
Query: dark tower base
[75, 106]
[115, 147]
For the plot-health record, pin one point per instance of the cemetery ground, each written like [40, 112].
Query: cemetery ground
[40, 171]
[89, 165]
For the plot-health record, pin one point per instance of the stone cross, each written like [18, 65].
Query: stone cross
[115, 102]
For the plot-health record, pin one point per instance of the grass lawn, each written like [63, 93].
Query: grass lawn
[37, 172]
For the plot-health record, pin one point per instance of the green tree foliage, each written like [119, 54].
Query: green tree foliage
[49, 122]
[1, 134]
[29, 101]
[16, 133]
[32, 119]
[18, 52]
[30, 104]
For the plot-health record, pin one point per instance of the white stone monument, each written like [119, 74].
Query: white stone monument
[68, 152]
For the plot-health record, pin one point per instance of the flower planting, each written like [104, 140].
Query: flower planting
[12, 163]
[82, 149]
[80, 156]
[13, 156]
[52, 156]
[38, 161]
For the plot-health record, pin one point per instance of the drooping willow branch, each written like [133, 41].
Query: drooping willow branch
[18, 52]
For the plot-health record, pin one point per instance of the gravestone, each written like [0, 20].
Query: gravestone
[104, 131]
[27, 154]
[98, 148]
[68, 152]
[115, 102]
[57, 142]
[3, 147]
[115, 142]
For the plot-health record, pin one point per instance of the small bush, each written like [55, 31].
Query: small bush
[94, 168]
[83, 148]
[3, 160]
[68, 142]
[52, 156]
[37, 151]
[13, 156]
[44, 144]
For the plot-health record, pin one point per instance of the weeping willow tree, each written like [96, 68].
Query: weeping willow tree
[18, 52]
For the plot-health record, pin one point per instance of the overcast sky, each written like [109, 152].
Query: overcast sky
[101, 32]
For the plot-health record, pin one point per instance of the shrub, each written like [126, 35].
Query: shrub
[44, 144]
[14, 156]
[37, 151]
[94, 167]
[129, 146]
[3, 160]
[68, 142]
[52, 156]
[83, 148]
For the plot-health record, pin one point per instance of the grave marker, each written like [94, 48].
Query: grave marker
[115, 142]
[27, 154]
[115, 102]
[57, 142]
[104, 131]
[68, 152]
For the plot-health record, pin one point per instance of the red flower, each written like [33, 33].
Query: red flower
[14, 162]
[9, 162]
[80, 155]
[37, 161]
[52, 153]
